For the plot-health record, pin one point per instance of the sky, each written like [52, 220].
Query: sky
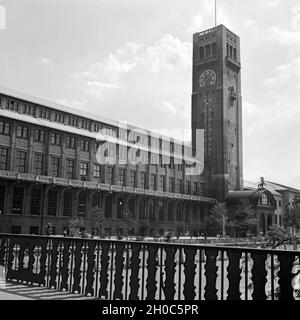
[131, 60]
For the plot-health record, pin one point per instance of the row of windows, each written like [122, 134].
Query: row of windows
[54, 169]
[231, 52]
[40, 136]
[55, 164]
[208, 50]
[56, 139]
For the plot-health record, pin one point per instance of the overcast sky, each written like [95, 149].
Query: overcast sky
[131, 60]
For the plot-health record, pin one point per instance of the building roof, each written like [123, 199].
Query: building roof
[253, 186]
[73, 111]
[281, 187]
[236, 196]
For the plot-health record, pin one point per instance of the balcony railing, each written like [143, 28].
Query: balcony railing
[141, 270]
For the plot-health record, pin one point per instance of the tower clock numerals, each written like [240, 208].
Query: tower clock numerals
[207, 78]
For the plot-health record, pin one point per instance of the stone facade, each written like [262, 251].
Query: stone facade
[49, 172]
[217, 108]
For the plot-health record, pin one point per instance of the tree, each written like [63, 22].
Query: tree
[77, 227]
[278, 236]
[215, 221]
[291, 219]
[243, 220]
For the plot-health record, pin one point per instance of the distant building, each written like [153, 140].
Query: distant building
[261, 200]
[270, 202]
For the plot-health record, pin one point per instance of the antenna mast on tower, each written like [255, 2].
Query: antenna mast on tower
[215, 13]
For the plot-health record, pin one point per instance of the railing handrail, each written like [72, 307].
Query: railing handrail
[162, 244]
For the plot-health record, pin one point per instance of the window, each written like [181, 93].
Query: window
[3, 158]
[207, 50]
[187, 214]
[84, 166]
[55, 139]
[17, 206]
[97, 170]
[195, 188]
[152, 183]
[132, 180]
[162, 182]
[214, 49]
[264, 199]
[15, 229]
[160, 161]
[85, 124]
[201, 52]
[59, 117]
[195, 213]
[54, 167]
[45, 114]
[38, 164]
[179, 213]
[171, 184]
[110, 175]
[70, 166]
[188, 187]
[71, 142]
[82, 205]
[36, 196]
[170, 212]
[171, 164]
[52, 202]
[84, 145]
[143, 180]
[67, 211]
[279, 203]
[39, 135]
[179, 186]
[4, 128]
[13, 106]
[20, 163]
[22, 132]
[121, 181]
[234, 54]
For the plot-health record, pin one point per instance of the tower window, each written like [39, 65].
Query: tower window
[201, 52]
[214, 49]
[207, 50]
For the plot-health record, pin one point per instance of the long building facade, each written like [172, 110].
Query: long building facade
[57, 163]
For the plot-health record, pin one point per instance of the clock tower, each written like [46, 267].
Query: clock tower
[217, 108]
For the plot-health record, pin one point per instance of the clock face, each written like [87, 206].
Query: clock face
[207, 78]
